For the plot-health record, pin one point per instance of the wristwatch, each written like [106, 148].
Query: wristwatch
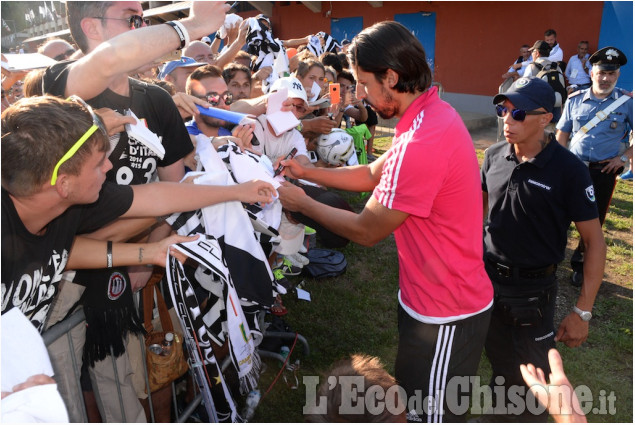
[584, 315]
[624, 159]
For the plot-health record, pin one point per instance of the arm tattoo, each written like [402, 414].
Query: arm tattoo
[140, 255]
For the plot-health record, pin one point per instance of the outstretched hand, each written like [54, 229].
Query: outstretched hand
[557, 395]
[114, 121]
[256, 191]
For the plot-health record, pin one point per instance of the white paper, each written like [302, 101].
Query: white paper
[23, 350]
[280, 121]
[315, 91]
[143, 135]
[26, 61]
[574, 73]
[303, 295]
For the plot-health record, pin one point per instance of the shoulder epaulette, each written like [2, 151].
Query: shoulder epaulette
[575, 93]
[627, 93]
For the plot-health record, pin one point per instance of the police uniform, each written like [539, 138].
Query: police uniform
[530, 207]
[605, 141]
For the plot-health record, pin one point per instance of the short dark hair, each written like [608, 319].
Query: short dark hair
[36, 133]
[550, 32]
[78, 10]
[390, 45]
[343, 60]
[331, 59]
[202, 72]
[229, 72]
[347, 76]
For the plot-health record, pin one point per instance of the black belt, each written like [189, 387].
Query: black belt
[596, 165]
[509, 271]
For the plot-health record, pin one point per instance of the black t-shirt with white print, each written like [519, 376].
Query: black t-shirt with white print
[32, 265]
[133, 162]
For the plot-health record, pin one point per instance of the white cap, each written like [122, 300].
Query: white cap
[293, 85]
[206, 40]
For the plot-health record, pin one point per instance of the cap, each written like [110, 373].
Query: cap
[529, 93]
[206, 40]
[542, 46]
[184, 62]
[293, 85]
[345, 42]
[608, 59]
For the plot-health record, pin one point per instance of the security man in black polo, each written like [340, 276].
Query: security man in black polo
[533, 189]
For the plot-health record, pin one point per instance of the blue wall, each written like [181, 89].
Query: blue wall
[617, 31]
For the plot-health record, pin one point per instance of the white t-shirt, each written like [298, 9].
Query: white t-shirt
[276, 146]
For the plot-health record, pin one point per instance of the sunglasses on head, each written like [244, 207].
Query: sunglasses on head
[215, 98]
[134, 21]
[64, 55]
[517, 114]
[73, 150]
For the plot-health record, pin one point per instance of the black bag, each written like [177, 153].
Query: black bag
[552, 74]
[325, 263]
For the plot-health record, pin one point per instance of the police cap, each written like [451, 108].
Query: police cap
[608, 58]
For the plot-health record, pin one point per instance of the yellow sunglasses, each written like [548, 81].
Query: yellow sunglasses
[68, 155]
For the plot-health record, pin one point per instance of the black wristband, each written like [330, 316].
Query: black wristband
[179, 31]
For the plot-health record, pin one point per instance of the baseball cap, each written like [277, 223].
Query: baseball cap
[608, 59]
[206, 40]
[529, 93]
[293, 85]
[542, 46]
[184, 62]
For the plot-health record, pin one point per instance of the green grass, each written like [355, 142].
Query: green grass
[356, 313]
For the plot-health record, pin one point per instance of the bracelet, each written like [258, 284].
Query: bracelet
[109, 254]
[181, 31]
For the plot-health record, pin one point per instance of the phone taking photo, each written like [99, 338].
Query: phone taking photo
[334, 91]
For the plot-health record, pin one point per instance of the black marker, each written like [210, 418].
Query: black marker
[280, 166]
[232, 7]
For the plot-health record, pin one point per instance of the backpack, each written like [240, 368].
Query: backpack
[325, 263]
[553, 75]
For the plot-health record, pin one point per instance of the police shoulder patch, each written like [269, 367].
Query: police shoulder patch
[590, 193]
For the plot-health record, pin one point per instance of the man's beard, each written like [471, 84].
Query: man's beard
[389, 109]
[215, 122]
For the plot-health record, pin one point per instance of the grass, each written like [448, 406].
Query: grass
[356, 312]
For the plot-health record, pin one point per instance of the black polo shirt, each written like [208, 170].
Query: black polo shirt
[532, 204]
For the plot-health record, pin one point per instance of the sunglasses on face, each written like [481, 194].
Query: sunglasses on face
[134, 21]
[215, 98]
[73, 150]
[64, 55]
[517, 114]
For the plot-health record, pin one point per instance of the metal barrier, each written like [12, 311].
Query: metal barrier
[63, 328]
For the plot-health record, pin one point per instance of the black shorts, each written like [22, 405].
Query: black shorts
[429, 356]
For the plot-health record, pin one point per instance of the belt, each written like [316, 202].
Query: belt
[596, 165]
[509, 271]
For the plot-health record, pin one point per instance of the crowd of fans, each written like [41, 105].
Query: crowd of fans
[204, 105]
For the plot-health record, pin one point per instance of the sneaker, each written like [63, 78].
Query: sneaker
[627, 175]
[576, 279]
[281, 280]
[290, 268]
[297, 259]
[303, 249]
[309, 230]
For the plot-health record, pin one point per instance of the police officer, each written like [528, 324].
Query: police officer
[599, 118]
[533, 188]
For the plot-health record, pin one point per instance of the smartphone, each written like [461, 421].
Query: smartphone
[280, 166]
[334, 91]
[174, 55]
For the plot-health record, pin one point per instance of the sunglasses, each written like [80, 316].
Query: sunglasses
[73, 150]
[134, 21]
[64, 55]
[517, 114]
[215, 98]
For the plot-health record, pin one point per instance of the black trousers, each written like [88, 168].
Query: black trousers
[603, 185]
[429, 356]
[521, 331]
